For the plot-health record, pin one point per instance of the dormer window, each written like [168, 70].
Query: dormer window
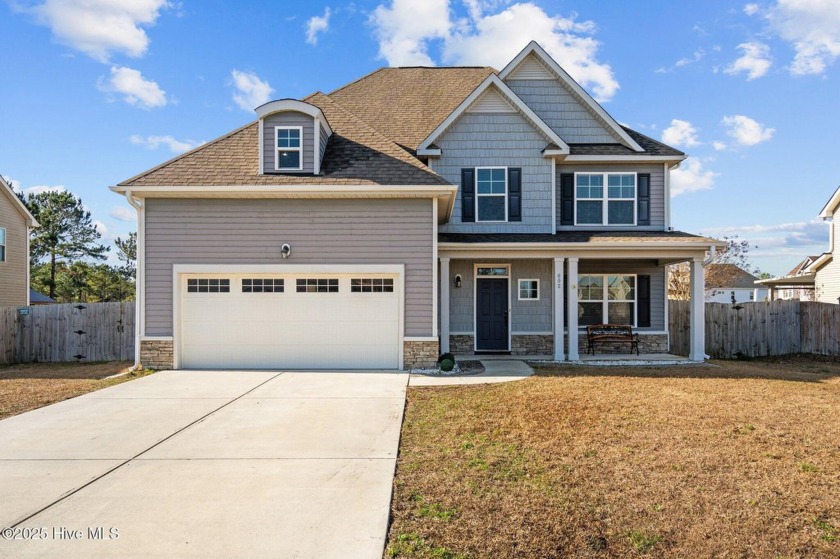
[288, 144]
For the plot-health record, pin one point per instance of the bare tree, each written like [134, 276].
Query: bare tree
[735, 252]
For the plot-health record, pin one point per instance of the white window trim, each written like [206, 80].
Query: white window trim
[298, 149]
[519, 289]
[605, 199]
[605, 315]
[4, 245]
[475, 186]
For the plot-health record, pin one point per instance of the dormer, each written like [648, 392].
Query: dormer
[293, 136]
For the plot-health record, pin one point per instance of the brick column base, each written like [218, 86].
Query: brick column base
[420, 355]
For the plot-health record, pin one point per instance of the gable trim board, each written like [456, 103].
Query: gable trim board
[598, 111]
[502, 89]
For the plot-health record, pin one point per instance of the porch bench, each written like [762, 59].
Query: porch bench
[622, 333]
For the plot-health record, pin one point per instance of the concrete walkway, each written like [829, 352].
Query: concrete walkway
[207, 464]
[495, 370]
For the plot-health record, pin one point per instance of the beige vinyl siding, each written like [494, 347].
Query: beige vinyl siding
[827, 281]
[197, 231]
[657, 192]
[13, 288]
[308, 140]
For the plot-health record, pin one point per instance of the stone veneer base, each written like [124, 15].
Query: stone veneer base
[156, 354]
[420, 355]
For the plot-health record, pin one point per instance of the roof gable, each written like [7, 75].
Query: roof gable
[9, 193]
[534, 53]
[498, 87]
[831, 206]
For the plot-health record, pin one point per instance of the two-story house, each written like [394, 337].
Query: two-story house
[15, 224]
[411, 212]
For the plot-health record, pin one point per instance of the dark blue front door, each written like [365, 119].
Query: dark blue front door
[492, 314]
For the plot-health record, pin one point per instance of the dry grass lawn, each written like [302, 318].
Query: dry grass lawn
[736, 459]
[33, 385]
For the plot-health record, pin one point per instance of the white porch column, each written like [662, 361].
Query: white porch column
[698, 312]
[559, 354]
[572, 322]
[444, 305]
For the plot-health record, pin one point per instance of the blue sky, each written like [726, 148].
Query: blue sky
[96, 91]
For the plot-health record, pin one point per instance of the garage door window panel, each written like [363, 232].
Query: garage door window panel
[208, 285]
[317, 285]
[262, 285]
[372, 285]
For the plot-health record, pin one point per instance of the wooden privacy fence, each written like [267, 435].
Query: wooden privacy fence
[71, 332]
[760, 329]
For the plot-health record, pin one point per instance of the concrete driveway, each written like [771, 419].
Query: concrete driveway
[206, 464]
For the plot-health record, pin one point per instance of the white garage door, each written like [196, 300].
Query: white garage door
[289, 321]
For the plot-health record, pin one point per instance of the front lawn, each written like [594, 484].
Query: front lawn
[737, 459]
[28, 386]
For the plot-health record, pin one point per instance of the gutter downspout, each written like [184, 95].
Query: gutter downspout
[140, 284]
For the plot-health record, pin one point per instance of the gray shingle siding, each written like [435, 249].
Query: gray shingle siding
[323, 142]
[526, 316]
[288, 119]
[508, 140]
[561, 111]
[657, 192]
[215, 231]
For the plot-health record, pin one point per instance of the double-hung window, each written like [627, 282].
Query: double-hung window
[609, 299]
[491, 194]
[2, 244]
[605, 198]
[288, 150]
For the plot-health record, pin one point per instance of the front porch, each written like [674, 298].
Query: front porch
[502, 303]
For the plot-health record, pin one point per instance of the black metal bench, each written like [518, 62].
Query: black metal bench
[611, 333]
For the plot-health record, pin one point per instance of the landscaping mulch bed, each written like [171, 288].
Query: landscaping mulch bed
[29, 386]
[738, 459]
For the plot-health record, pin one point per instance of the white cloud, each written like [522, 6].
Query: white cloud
[154, 142]
[691, 177]
[251, 91]
[751, 9]
[317, 25]
[100, 28]
[719, 146]
[698, 55]
[746, 131]
[101, 227]
[775, 238]
[755, 61]
[122, 213]
[134, 88]
[680, 133]
[812, 27]
[406, 29]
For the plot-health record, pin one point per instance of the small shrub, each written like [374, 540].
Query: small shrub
[446, 356]
[447, 365]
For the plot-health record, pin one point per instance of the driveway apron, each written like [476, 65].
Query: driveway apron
[206, 464]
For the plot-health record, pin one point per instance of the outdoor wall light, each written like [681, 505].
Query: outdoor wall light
[458, 281]
[286, 250]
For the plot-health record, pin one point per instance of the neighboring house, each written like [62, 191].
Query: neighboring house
[727, 283]
[15, 224]
[800, 293]
[411, 212]
[827, 270]
[36, 298]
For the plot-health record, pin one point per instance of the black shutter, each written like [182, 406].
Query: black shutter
[567, 199]
[643, 300]
[467, 195]
[514, 194]
[644, 200]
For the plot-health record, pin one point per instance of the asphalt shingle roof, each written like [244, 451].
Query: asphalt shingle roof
[719, 276]
[573, 237]
[378, 121]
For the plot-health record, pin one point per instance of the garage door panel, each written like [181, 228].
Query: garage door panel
[290, 330]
